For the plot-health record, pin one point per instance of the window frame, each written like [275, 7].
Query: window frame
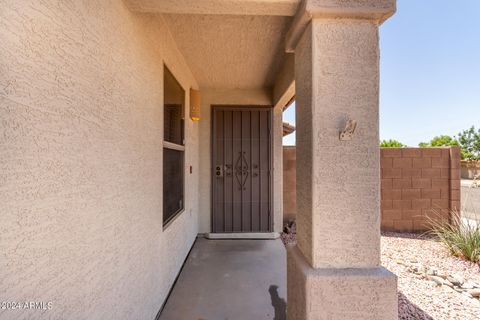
[173, 146]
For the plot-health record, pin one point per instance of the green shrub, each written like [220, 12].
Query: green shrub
[440, 141]
[470, 142]
[391, 144]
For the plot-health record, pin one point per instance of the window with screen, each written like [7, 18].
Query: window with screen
[173, 147]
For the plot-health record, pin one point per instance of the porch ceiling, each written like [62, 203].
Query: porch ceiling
[238, 7]
[231, 51]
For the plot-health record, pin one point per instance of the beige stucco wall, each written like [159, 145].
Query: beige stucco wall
[334, 271]
[289, 183]
[81, 161]
[338, 189]
[236, 97]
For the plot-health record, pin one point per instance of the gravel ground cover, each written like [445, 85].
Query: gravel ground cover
[420, 263]
[420, 297]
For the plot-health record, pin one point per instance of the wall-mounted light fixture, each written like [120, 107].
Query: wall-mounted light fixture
[347, 133]
[194, 104]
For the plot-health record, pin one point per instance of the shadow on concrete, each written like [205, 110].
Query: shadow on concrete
[279, 304]
[407, 310]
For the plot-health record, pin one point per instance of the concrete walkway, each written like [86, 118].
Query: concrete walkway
[231, 280]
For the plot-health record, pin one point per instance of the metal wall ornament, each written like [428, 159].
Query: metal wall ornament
[347, 133]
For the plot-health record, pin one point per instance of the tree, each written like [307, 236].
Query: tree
[440, 141]
[470, 142]
[391, 144]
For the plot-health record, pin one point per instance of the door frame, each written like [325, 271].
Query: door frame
[236, 107]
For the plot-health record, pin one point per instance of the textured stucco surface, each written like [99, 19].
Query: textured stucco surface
[231, 52]
[326, 293]
[289, 183]
[259, 97]
[353, 7]
[334, 272]
[81, 161]
[284, 87]
[374, 10]
[338, 182]
[232, 7]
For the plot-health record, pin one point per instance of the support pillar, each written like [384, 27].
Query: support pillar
[334, 272]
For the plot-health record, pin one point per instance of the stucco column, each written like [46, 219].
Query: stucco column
[334, 272]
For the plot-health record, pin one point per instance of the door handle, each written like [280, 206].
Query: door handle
[218, 171]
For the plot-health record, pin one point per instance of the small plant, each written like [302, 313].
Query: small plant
[460, 236]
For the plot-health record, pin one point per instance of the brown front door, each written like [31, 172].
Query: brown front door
[242, 158]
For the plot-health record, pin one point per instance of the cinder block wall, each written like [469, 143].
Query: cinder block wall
[418, 184]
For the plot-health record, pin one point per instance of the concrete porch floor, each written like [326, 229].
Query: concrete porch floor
[231, 280]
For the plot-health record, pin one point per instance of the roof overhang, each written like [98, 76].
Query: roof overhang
[376, 10]
[223, 7]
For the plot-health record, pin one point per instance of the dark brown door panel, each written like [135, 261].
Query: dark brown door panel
[242, 162]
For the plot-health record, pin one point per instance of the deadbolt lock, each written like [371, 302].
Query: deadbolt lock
[219, 171]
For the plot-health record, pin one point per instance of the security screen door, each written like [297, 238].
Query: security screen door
[242, 161]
